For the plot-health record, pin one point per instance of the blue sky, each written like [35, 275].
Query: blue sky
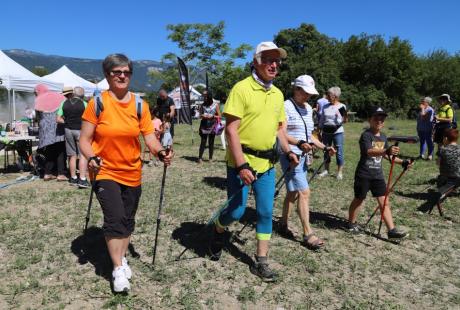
[94, 29]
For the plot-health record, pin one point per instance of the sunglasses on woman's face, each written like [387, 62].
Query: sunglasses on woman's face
[118, 73]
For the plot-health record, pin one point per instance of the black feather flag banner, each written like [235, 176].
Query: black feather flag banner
[185, 114]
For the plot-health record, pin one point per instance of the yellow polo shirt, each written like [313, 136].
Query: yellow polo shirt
[446, 111]
[260, 111]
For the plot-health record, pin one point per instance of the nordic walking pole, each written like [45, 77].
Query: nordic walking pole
[93, 185]
[387, 192]
[282, 181]
[163, 179]
[327, 159]
[401, 174]
[391, 189]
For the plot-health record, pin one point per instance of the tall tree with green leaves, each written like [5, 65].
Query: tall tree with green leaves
[379, 73]
[439, 73]
[309, 52]
[203, 49]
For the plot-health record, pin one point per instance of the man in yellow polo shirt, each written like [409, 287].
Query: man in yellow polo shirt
[444, 118]
[254, 115]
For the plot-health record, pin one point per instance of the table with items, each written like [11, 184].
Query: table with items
[19, 141]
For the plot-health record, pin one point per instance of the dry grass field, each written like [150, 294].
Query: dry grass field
[47, 263]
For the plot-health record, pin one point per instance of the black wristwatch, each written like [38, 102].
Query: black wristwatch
[96, 159]
[300, 142]
[246, 166]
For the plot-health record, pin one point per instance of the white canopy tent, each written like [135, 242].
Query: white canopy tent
[103, 85]
[175, 95]
[68, 78]
[15, 77]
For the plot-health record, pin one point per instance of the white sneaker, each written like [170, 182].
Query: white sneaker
[323, 174]
[339, 176]
[126, 268]
[120, 282]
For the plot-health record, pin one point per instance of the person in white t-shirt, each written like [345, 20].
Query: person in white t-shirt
[299, 126]
[333, 115]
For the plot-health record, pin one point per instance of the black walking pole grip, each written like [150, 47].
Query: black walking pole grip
[88, 211]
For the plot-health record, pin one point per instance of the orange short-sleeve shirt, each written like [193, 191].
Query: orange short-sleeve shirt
[116, 138]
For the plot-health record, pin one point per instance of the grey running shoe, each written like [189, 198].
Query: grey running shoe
[83, 184]
[216, 245]
[353, 228]
[261, 269]
[73, 181]
[397, 234]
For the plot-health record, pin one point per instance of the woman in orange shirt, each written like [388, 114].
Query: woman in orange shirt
[110, 142]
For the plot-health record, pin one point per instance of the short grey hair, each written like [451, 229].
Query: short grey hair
[116, 60]
[427, 100]
[335, 91]
[79, 92]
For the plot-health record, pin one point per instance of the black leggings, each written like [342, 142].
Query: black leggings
[203, 145]
[55, 158]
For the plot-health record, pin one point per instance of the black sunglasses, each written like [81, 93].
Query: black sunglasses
[118, 73]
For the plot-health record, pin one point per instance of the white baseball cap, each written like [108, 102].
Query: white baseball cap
[307, 83]
[268, 46]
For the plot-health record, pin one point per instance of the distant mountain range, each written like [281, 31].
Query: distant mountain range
[89, 69]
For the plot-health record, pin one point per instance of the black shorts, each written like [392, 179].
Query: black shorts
[439, 131]
[119, 205]
[377, 187]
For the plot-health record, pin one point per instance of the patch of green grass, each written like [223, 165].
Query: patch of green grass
[247, 294]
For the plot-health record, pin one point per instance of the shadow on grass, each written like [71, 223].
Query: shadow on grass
[190, 158]
[196, 237]
[429, 195]
[217, 182]
[91, 248]
[328, 220]
[430, 199]
[431, 181]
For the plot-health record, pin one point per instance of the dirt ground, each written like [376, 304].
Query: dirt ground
[47, 262]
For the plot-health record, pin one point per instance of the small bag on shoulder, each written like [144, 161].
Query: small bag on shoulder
[330, 129]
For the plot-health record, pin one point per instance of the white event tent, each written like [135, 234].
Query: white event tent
[68, 78]
[103, 85]
[175, 95]
[16, 78]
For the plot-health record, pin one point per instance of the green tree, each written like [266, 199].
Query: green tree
[40, 71]
[439, 73]
[203, 49]
[309, 52]
[381, 73]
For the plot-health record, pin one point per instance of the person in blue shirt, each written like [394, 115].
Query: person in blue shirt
[425, 128]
